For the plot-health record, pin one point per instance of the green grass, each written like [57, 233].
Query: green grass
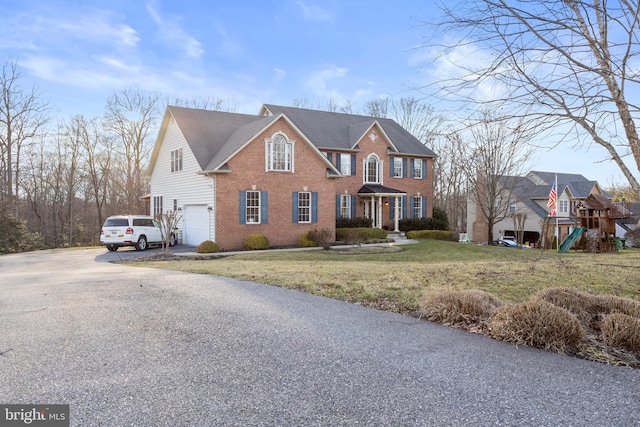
[395, 278]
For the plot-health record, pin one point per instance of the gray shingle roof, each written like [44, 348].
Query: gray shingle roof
[339, 131]
[209, 133]
[214, 136]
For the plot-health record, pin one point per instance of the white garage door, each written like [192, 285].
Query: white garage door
[196, 224]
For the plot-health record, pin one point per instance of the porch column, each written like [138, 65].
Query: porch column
[396, 215]
[372, 208]
[379, 218]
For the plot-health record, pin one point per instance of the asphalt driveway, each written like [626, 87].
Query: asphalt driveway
[133, 346]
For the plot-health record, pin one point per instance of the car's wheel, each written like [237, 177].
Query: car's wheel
[112, 248]
[142, 243]
[173, 240]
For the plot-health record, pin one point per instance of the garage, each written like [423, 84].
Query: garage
[196, 224]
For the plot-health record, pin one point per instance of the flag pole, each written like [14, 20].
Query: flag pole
[556, 207]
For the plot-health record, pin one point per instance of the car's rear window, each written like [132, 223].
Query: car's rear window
[143, 222]
[116, 222]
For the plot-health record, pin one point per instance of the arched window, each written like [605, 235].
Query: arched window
[372, 170]
[279, 153]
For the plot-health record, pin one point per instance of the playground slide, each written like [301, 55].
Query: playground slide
[571, 239]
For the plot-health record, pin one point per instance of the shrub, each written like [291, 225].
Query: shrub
[537, 323]
[466, 307]
[353, 222]
[410, 224]
[322, 237]
[306, 241]
[430, 234]
[440, 219]
[581, 304]
[364, 233]
[256, 241]
[351, 236]
[207, 247]
[588, 308]
[623, 331]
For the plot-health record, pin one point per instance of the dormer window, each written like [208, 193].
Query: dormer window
[371, 168]
[279, 153]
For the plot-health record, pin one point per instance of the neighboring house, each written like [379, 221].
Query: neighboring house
[284, 172]
[530, 196]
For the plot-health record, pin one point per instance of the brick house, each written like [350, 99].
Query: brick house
[283, 172]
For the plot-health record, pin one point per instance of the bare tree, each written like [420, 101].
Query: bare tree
[205, 103]
[574, 62]
[494, 161]
[450, 179]
[131, 117]
[22, 117]
[168, 225]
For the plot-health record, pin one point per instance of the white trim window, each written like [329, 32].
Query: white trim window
[304, 207]
[279, 154]
[417, 207]
[345, 206]
[397, 167]
[345, 164]
[563, 206]
[252, 210]
[371, 168]
[157, 205]
[513, 207]
[176, 160]
[417, 168]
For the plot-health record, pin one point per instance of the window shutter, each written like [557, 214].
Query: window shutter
[314, 206]
[243, 206]
[424, 169]
[404, 167]
[330, 157]
[337, 206]
[353, 207]
[404, 206]
[411, 168]
[392, 208]
[353, 164]
[264, 208]
[294, 207]
[411, 201]
[424, 206]
[391, 166]
[338, 161]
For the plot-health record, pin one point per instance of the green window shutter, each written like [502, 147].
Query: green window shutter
[424, 169]
[404, 167]
[338, 160]
[294, 207]
[314, 206]
[391, 166]
[264, 207]
[337, 206]
[330, 157]
[243, 206]
[353, 164]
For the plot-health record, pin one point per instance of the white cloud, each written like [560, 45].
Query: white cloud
[315, 13]
[172, 33]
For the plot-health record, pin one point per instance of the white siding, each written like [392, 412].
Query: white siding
[186, 186]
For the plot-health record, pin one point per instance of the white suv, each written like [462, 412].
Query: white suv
[132, 230]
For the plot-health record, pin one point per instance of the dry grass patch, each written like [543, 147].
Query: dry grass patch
[464, 308]
[537, 323]
[622, 331]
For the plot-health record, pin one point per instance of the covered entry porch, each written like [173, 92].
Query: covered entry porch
[375, 198]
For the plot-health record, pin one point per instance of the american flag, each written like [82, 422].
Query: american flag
[551, 204]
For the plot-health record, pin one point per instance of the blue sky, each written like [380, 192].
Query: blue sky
[248, 53]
